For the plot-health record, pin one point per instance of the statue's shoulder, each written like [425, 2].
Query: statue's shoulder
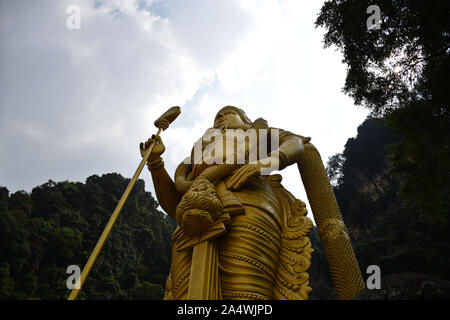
[282, 134]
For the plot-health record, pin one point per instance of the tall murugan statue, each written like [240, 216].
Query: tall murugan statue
[240, 233]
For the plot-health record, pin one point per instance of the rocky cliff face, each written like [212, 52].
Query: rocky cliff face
[408, 286]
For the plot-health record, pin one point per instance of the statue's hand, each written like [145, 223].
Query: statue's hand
[241, 176]
[158, 149]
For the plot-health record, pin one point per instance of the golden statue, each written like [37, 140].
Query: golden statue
[240, 233]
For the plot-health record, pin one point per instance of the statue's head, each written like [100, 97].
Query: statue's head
[232, 118]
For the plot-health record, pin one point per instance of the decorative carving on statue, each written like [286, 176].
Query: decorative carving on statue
[332, 229]
[199, 208]
[240, 233]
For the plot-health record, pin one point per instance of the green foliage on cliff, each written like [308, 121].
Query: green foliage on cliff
[400, 72]
[386, 230]
[58, 225]
[392, 181]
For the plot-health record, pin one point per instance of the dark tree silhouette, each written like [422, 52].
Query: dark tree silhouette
[385, 231]
[58, 225]
[400, 72]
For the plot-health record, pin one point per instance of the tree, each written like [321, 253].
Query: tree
[147, 291]
[385, 230]
[58, 225]
[400, 72]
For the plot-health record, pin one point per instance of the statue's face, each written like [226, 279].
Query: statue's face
[229, 117]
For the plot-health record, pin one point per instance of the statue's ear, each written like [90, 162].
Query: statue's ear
[260, 123]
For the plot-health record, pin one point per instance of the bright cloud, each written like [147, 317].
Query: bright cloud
[78, 102]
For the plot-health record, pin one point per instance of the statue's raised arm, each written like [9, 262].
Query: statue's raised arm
[333, 234]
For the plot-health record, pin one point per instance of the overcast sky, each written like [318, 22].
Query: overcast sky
[77, 102]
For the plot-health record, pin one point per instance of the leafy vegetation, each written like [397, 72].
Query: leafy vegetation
[386, 231]
[400, 73]
[393, 181]
[58, 225]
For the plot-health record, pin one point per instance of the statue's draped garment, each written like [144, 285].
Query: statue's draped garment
[265, 251]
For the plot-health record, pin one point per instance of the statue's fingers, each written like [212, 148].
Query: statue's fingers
[230, 183]
[158, 139]
[237, 185]
[235, 177]
[241, 180]
[148, 143]
[250, 172]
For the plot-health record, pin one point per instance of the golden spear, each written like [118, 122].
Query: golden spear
[162, 123]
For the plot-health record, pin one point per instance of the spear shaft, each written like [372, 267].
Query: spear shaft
[162, 123]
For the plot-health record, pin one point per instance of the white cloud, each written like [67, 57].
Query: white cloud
[75, 103]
